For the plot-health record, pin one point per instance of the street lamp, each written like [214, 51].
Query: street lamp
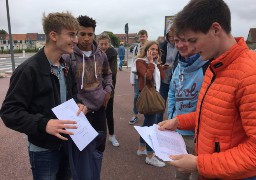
[10, 36]
[2, 47]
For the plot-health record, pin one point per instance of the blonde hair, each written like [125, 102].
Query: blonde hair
[57, 21]
[143, 52]
[103, 36]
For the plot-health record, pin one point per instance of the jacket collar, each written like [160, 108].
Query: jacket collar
[45, 66]
[229, 56]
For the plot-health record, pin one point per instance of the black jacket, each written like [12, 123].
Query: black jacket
[163, 48]
[33, 92]
[112, 60]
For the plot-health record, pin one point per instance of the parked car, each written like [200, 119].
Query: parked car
[132, 46]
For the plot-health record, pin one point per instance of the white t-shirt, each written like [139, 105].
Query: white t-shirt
[87, 53]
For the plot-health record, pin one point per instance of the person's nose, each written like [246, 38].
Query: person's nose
[75, 40]
[178, 45]
[86, 38]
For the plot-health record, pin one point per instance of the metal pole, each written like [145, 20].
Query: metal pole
[10, 36]
[127, 50]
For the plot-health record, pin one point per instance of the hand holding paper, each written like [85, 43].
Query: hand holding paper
[170, 124]
[186, 163]
[164, 143]
[55, 127]
[84, 133]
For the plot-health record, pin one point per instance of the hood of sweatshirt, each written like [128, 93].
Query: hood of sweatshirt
[167, 31]
[191, 64]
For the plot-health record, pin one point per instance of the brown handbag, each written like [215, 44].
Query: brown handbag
[150, 101]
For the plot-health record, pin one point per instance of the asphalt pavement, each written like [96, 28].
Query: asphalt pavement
[119, 163]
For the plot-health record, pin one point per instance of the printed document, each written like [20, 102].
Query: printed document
[145, 134]
[84, 133]
[164, 143]
[167, 143]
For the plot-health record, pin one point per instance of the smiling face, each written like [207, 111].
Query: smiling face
[154, 50]
[85, 38]
[65, 40]
[183, 46]
[104, 44]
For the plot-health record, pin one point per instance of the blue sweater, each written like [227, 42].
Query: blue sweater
[184, 87]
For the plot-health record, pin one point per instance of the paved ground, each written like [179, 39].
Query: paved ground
[120, 163]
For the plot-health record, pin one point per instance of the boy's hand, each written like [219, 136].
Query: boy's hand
[170, 124]
[107, 97]
[55, 127]
[82, 108]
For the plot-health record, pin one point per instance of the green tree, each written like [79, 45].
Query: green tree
[114, 40]
[2, 31]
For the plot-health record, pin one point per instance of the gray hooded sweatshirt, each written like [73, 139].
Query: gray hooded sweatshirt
[93, 76]
[169, 53]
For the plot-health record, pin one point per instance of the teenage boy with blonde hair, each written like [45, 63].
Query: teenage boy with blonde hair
[225, 118]
[40, 83]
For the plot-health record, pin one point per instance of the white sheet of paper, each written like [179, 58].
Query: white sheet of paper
[84, 133]
[144, 132]
[167, 143]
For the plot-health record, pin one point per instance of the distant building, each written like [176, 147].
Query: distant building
[251, 39]
[23, 41]
[40, 42]
[132, 38]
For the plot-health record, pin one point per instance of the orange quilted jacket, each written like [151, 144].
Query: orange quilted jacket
[225, 118]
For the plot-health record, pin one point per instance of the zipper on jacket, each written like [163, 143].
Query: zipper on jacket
[217, 147]
[199, 116]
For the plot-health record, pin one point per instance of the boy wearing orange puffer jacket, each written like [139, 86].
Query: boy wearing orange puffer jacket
[225, 118]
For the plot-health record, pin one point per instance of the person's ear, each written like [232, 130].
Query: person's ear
[53, 36]
[216, 28]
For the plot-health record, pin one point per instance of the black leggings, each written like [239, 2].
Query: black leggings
[98, 122]
[110, 118]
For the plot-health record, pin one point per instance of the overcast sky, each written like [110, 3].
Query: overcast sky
[111, 15]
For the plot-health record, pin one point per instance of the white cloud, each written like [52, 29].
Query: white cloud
[112, 15]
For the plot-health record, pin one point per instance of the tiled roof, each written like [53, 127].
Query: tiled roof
[31, 36]
[16, 37]
[41, 37]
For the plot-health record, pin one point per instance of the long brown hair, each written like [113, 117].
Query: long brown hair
[148, 44]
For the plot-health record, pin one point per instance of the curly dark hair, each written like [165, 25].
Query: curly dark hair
[86, 21]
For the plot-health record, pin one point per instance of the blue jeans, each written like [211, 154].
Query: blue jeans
[136, 94]
[86, 164]
[164, 89]
[121, 61]
[50, 165]
[149, 120]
